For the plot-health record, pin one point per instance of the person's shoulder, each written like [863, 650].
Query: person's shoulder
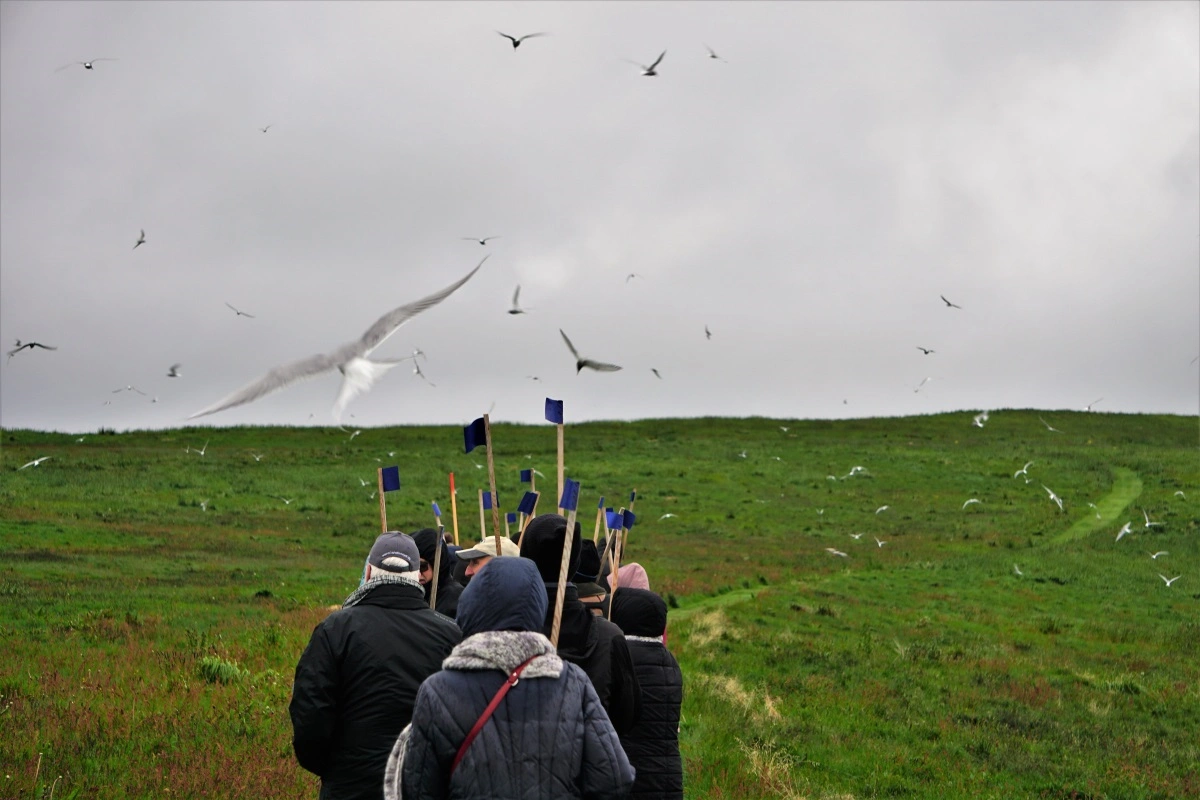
[607, 628]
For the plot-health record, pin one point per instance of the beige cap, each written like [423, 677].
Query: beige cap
[488, 548]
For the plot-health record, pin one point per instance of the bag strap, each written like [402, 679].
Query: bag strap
[509, 682]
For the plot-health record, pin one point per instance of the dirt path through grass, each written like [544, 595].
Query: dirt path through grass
[1126, 488]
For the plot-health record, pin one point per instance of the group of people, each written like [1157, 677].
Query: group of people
[470, 699]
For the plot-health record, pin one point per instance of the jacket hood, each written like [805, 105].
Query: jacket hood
[427, 540]
[639, 612]
[632, 576]
[543, 545]
[506, 595]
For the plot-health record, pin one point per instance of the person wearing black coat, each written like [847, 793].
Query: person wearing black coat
[594, 643]
[548, 737]
[357, 679]
[448, 589]
[653, 746]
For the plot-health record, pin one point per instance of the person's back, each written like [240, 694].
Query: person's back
[653, 745]
[548, 738]
[357, 679]
[594, 644]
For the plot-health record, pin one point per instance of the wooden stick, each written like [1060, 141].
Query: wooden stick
[382, 504]
[482, 524]
[599, 515]
[507, 535]
[561, 594]
[560, 464]
[619, 533]
[520, 539]
[487, 435]
[632, 498]
[532, 480]
[437, 518]
[437, 568]
[610, 540]
[454, 507]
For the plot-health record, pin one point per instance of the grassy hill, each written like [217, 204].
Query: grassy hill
[155, 600]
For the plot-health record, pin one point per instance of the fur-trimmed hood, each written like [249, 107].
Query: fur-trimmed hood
[504, 651]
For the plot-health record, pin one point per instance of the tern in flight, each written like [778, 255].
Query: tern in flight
[652, 369]
[141, 239]
[174, 372]
[834, 552]
[516, 40]
[34, 463]
[516, 306]
[1024, 470]
[879, 541]
[581, 362]
[21, 346]
[979, 419]
[1053, 496]
[713, 54]
[359, 373]
[484, 240]
[925, 350]
[1149, 524]
[84, 64]
[129, 389]
[1126, 528]
[919, 385]
[1159, 553]
[1088, 407]
[1048, 427]
[969, 502]
[649, 72]
[707, 333]
[264, 130]
[1169, 581]
[239, 312]
[1017, 570]
[948, 303]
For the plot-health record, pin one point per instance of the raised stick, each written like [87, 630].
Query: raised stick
[561, 594]
[560, 463]
[454, 507]
[437, 567]
[520, 539]
[482, 524]
[382, 504]
[487, 435]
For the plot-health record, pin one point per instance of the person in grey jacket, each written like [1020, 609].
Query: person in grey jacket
[548, 738]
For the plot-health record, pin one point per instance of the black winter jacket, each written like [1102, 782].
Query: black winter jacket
[653, 745]
[356, 683]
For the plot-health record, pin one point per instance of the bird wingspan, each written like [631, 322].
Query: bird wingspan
[359, 375]
[570, 346]
[600, 366]
[658, 60]
[389, 322]
[275, 380]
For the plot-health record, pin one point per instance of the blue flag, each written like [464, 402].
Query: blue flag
[632, 496]
[474, 435]
[391, 478]
[570, 496]
[487, 500]
[528, 502]
[554, 411]
[601, 503]
[437, 512]
[511, 517]
[630, 518]
[526, 475]
[614, 519]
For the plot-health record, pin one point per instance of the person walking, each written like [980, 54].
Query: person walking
[448, 590]
[357, 679]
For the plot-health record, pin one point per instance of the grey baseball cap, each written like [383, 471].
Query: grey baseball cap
[395, 552]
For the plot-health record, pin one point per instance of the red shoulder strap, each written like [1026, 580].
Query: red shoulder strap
[510, 682]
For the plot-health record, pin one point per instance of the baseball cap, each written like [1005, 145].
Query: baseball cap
[394, 552]
[488, 548]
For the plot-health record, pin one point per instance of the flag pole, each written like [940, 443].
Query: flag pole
[610, 542]
[619, 534]
[560, 463]
[507, 534]
[599, 514]
[437, 567]
[528, 519]
[561, 594]
[454, 507]
[382, 504]
[482, 524]
[437, 515]
[487, 434]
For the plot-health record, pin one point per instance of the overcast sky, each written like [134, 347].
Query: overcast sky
[808, 197]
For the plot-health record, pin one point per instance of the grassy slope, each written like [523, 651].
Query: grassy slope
[922, 668]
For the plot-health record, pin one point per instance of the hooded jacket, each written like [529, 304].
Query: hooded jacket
[548, 738]
[594, 644]
[449, 589]
[356, 683]
[653, 745]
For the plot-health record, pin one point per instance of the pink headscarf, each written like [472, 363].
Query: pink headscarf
[632, 576]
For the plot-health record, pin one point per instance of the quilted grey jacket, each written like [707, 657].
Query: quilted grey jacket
[549, 737]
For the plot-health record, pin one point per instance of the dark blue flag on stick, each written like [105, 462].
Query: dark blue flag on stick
[615, 518]
[391, 478]
[437, 512]
[570, 496]
[511, 517]
[528, 503]
[474, 435]
[526, 475]
[554, 411]
[487, 501]
[601, 503]
[628, 519]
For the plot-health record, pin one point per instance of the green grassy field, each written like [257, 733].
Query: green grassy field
[155, 600]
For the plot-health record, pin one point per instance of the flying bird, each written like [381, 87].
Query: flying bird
[516, 308]
[141, 239]
[1024, 470]
[1053, 496]
[834, 552]
[969, 502]
[919, 385]
[417, 371]
[631, 276]
[1159, 553]
[881, 509]
[484, 240]
[239, 312]
[925, 350]
[1047, 424]
[707, 333]
[285, 500]
[1150, 524]
[652, 369]
[649, 72]
[201, 451]
[1180, 493]
[129, 389]
[1095, 508]
[580, 362]
[257, 457]
[1088, 407]
[1017, 570]
[358, 372]
[516, 40]
[665, 516]
[712, 54]
[1126, 528]
[948, 303]
[264, 130]
[34, 463]
[84, 64]
[21, 346]
[856, 536]
[979, 419]
[879, 541]
[174, 372]
[1169, 581]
